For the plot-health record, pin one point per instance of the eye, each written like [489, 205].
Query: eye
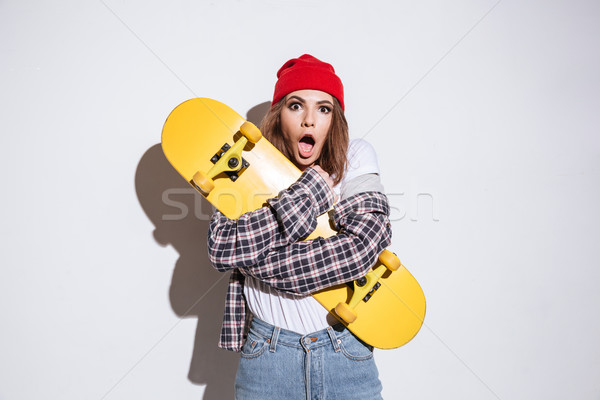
[295, 106]
[325, 109]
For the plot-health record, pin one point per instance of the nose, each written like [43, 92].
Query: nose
[309, 119]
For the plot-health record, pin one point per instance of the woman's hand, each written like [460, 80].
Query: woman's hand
[328, 179]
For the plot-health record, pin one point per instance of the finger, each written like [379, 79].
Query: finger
[319, 169]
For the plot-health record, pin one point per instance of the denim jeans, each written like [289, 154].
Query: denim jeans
[277, 364]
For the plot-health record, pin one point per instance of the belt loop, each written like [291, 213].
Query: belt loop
[274, 338]
[334, 340]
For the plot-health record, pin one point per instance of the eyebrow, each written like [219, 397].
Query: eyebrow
[304, 101]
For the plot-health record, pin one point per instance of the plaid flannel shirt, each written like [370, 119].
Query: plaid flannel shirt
[266, 244]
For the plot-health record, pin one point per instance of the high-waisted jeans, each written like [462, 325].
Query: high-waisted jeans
[277, 364]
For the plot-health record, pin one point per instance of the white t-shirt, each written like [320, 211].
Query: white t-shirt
[303, 314]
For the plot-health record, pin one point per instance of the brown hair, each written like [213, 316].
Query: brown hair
[333, 158]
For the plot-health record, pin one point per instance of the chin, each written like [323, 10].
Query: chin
[302, 165]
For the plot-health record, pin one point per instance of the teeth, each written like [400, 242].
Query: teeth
[308, 139]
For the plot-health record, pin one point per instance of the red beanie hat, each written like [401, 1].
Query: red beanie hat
[307, 72]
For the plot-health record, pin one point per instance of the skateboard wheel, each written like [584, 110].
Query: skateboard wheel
[347, 314]
[203, 182]
[390, 260]
[251, 132]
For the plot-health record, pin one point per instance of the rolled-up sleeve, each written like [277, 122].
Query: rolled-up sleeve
[308, 266]
[287, 219]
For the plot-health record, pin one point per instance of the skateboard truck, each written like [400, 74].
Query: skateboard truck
[233, 162]
[228, 159]
[364, 288]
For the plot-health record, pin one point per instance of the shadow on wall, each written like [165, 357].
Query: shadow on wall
[257, 113]
[181, 217]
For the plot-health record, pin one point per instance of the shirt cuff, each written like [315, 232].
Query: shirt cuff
[362, 203]
[318, 190]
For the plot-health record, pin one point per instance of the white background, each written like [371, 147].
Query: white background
[485, 118]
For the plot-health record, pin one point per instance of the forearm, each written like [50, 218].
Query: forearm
[287, 219]
[305, 267]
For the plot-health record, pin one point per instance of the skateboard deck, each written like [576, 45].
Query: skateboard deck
[233, 167]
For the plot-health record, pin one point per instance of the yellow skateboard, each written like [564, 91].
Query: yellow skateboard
[229, 162]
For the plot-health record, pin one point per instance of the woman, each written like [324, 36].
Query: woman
[294, 348]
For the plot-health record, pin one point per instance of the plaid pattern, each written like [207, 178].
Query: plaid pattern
[291, 216]
[266, 244]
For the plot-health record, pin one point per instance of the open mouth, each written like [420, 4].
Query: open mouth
[306, 146]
